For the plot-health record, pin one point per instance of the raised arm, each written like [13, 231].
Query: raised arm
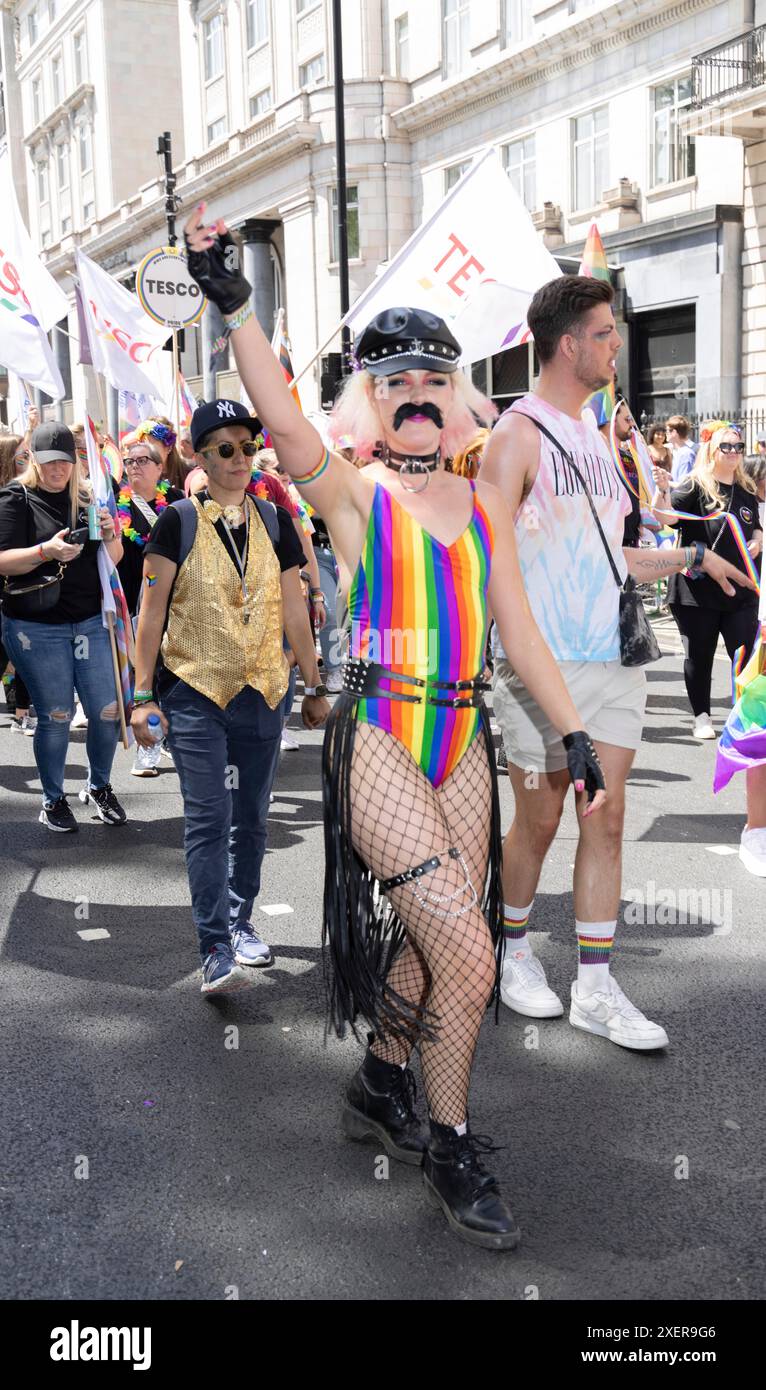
[328, 481]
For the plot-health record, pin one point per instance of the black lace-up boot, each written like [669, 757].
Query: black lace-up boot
[380, 1105]
[469, 1197]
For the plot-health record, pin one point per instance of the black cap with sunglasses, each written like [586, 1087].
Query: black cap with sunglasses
[216, 415]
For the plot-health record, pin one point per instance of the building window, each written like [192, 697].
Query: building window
[352, 223]
[44, 202]
[301, 5]
[516, 21]
[519, 160]
[212, 38]
[88, 212]
[311, 72]
[257, 22]
[457, 35]
[216, 130]
[80, 46]
[590, 161]
[85, 147]
[62, 175]
[51, 11]
[57, 78]
[672, 153]
[261, 103]
[402, 46]
[455, 173]
[32, 27]
[37, 100]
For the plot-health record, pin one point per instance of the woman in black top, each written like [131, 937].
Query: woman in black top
[64, 647]
[701, 608]
[140, 501]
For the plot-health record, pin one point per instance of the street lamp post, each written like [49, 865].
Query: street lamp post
[340, 148]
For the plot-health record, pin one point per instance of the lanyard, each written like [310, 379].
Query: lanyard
[238, 560]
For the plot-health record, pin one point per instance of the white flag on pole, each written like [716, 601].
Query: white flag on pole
[30, 300]
[19, 403]
[476, 262]
[125, 344]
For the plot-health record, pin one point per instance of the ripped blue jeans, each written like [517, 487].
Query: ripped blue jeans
[55, 660]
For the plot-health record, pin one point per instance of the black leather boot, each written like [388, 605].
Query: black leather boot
[380, 1105]
[469, 1197]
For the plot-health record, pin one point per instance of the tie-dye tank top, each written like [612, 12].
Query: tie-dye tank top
[420, 607]
[570, 585]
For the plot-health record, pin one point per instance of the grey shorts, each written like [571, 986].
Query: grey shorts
[611, 699]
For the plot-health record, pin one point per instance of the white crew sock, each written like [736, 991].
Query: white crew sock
[594, 944]
[515, 930]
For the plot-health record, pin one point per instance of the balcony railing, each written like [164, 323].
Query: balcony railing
[732, 67]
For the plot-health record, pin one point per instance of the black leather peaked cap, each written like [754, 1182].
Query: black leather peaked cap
[401, 340]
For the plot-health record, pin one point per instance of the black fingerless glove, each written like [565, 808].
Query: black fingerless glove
[583, 763]
[218, 272]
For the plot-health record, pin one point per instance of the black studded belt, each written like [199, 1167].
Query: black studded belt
[362, 680]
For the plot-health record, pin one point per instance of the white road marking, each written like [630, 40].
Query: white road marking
[93, 933]
[721, 849]
[276, 909]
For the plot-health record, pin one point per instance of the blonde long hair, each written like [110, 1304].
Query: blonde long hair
[355, 416]
[465, 464]
[711, 434]
[80, 491]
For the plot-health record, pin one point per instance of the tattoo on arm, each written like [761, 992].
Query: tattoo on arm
[653, 564]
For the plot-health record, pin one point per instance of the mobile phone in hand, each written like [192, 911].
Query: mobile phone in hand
[78, 537]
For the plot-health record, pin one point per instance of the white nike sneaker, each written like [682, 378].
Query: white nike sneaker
[703, 727]
[609, 1014]
[752, 851]
[524, 988]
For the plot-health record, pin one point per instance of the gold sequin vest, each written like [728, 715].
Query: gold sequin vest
[206, 642]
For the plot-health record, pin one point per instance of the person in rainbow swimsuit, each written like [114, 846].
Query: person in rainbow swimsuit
[412, 902]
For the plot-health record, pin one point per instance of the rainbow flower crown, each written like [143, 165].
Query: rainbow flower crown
[713, 426]
[152, 429]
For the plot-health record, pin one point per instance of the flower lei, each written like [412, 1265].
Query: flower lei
[123, 510]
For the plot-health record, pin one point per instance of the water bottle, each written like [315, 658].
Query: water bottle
[154, 726]
[94, 524]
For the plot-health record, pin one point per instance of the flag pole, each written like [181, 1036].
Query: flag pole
[117, 681]
[176, 377]
[336, 330]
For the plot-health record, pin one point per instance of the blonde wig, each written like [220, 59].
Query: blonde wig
[466, 464]
[711, 434]
[355, 416]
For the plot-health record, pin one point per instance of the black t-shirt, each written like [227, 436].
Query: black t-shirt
[632, 530]
[705, 592]
[166, 538]
[131, 566]
[23, 525]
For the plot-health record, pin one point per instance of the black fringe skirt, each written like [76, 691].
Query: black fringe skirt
[361, 933]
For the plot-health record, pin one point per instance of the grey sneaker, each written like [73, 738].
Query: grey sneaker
[249, 949]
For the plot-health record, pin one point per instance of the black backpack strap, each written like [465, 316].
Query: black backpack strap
[585, 488]
[188, 514]
[268, 514]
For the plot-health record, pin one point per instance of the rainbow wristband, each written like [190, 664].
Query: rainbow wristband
[315, 473]
[143, 697]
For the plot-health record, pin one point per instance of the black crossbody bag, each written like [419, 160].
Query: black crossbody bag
[638, 644]
[33, 600]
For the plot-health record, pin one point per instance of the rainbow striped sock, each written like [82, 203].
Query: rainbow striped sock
[594, 946]
[515, 924]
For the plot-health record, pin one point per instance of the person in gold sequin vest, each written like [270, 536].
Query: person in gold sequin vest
[210, 666]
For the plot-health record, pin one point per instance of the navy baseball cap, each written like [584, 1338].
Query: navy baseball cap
[215, 415]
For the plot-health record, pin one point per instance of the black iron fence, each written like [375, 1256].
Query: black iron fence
[751, 423]
[732, 67]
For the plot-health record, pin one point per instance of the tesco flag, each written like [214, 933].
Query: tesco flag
[125, 344]
[476, 262]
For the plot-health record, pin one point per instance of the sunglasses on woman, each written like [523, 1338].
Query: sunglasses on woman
[738, 448]
[227, 451]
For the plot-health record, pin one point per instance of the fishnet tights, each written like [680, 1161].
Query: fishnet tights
[447, 966]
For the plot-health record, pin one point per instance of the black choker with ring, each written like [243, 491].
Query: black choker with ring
[410, 468]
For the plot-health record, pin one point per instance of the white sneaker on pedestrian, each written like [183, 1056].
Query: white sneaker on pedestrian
[26, 725]
[703, 727]
[146, 762]
[608, 1013]
[752, 851]
[80, 720]
[334, 681]
[289, 743]
[524, 988]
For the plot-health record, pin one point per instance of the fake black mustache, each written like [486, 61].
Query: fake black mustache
[410, 410]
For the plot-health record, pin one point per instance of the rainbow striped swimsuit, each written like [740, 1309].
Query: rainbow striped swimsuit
[420, 607]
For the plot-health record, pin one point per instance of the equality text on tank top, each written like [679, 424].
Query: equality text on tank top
[569, 582]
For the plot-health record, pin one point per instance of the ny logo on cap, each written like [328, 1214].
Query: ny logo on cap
[225, 408]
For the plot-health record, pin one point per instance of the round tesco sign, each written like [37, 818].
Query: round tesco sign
[166, 289]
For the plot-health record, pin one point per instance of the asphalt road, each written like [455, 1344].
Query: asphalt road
[213, 1168]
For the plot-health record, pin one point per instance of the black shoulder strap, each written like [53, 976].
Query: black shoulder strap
[188, 514]
[585, 489]
[268, 514]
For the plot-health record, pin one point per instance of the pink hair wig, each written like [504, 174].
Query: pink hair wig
[355, 416]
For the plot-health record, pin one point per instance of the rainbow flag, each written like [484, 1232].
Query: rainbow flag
[594, 264]
[112, 459]
[742, 744]
[280, 346]
[187, 401]
[114, 607]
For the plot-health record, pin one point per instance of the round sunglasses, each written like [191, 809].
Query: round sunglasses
[227, 451]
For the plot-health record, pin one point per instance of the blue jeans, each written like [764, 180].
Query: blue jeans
[226, 762]
[329, 635]
[55, 660]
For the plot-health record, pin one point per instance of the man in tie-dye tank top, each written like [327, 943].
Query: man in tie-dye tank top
[575, 600]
